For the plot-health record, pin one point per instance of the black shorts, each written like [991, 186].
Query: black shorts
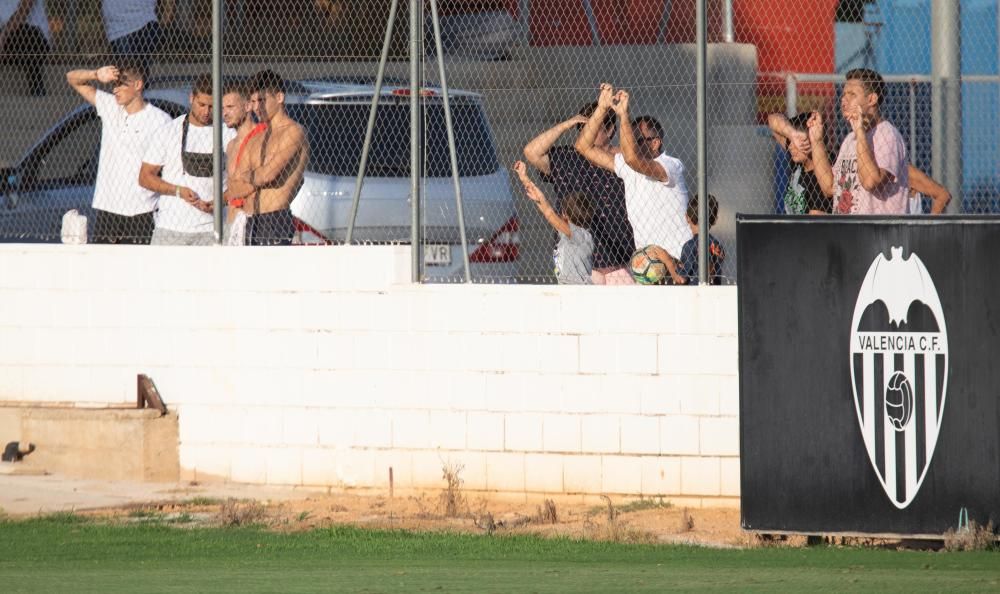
[115, 228]
[271, 228]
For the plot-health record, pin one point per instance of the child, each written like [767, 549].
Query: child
[574, 255]
[689, 253]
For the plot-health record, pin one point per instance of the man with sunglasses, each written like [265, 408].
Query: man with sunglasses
[123, 209]
[655, 193]
[178, 166]
[570, 173]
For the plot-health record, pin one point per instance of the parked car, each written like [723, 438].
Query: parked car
[58, 174]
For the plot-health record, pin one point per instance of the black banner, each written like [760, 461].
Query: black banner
[869, 373]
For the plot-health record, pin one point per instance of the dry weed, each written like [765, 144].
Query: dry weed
[973, 538]
[546, 513]
[686, 523]
[452, 500]
[234, 512]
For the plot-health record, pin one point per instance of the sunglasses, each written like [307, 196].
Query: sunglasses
[645, 139]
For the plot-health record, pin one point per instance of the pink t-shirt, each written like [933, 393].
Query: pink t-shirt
[850, 197]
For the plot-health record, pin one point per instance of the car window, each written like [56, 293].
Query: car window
[72, 157]
[336, 136]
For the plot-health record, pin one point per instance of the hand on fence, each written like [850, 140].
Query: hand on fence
[620, 104]
[815, 125]
[606, 97]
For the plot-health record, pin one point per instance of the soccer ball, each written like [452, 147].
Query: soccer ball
[899, 401]
[647, 265]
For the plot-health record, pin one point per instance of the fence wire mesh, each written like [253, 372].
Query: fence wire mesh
[523, 76]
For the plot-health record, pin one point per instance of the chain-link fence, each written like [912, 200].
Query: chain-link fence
[522, 79]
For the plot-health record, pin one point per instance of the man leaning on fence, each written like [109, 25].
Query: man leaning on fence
[870, 175]
[178, 166]
[271, 172]
[655, 193]
[123, 210]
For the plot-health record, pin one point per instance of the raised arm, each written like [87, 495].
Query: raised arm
[537, 151]
[783, 132]
[923, 183]
[821, 161]
[630, 150]
[535, 195]
[585, 141]
[80, 81]
[871, 176]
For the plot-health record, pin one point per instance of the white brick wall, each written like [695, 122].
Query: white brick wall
[298, 378]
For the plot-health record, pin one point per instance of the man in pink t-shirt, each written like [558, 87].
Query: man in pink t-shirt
[870, 175]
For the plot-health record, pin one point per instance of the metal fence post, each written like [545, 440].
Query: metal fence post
[946, 70]
[702, 117]
[217, 124]
[416, 162]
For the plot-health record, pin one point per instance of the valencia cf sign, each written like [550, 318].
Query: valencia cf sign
[899, 371]
[868, 376]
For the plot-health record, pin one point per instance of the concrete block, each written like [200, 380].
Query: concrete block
[700, 476]
[248, 465]
[409, 350]
[466, 391]
[211, 425]
[262, 426]
[208, 463]
[661, 475]
[660, 395]
[726, 310]
[447, 430]
[300, 426]
[356, 467]
[559, 353]
[699, 394]
[543, 473]
[720, 436]
[11, 382]
[375, 429]
[319, 467]
[730, 476]
[520, 352]
[335, 350]
[523, 432]
[679, 434]
[505, 392]
[411, 429]
[729, 396]
[582, 474]
[618, 353]
[284, 466]
[583, 393]
[485, 431]
[504, 471]
[678, 355]
[620, 393]
[601, 434]
[621, 474]
[561, 433]
[370, 350]
[323, 312]
[640, 435]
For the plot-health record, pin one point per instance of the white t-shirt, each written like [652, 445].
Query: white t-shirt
[122, 17]
[164, 150]
[656, 209]
[124, 139]
[36, 18]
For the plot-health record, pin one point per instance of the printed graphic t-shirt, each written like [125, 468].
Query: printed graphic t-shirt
[803, 193]
[889, 151]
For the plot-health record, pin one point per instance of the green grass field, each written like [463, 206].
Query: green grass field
[68, 554]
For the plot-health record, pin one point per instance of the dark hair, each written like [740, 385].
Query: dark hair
[202, 85]
[872, 81]
[132, 68]
[266, 81]
[610, 121]
[713, 210]
[578, 208]
[650, 122]
[236, 85]
[800, 123]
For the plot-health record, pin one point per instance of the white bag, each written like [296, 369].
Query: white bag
[74, 228]
[238, 229]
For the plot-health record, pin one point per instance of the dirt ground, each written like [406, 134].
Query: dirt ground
[642, 520]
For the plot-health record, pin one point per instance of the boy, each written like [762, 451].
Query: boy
[574, 254]
[689, 253]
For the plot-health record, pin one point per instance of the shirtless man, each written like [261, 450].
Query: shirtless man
[272, 166]
[236, 115]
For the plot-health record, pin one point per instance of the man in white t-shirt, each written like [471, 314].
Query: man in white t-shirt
[177, 165]
[123, 209]
[656, 196]
[871, 173]
[25, 40]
